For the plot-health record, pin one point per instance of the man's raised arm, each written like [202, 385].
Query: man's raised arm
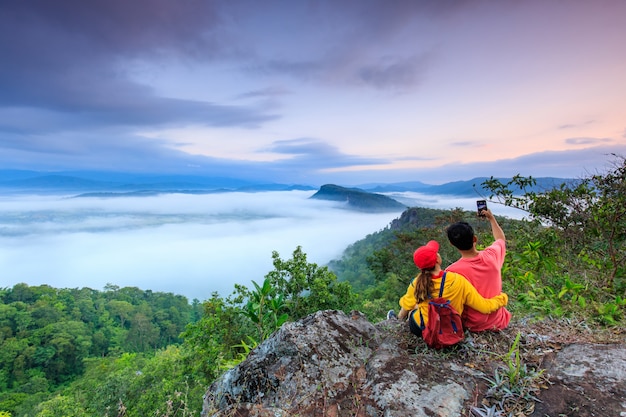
[497, 231]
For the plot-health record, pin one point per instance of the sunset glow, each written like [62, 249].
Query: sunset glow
[314, 91]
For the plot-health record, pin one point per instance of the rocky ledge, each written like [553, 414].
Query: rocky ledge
[336, 364]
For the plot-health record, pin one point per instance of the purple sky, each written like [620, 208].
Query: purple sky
[343, 91]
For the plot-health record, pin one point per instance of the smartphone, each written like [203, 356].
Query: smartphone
[480, 206]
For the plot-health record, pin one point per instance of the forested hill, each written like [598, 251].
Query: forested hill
[369, 262]
[358, 199]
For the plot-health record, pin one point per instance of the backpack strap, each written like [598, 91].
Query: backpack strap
[443, 282]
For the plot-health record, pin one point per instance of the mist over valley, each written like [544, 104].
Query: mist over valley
[191, 245]
[187, 244]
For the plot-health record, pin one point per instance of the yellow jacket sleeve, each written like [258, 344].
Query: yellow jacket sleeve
[408, 301]
[476, 301]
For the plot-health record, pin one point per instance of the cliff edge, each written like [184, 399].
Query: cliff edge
[336, 364]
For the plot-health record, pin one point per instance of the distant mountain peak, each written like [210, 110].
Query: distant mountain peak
[357, 199]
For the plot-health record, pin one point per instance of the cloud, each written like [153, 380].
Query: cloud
[340, 65]
[395, 73]
[71, 54]
[304, 158]
[80, 81]
[111, 28]
[415, 158]
[576, 125]
[313, 154]
[587, 141]
[303, 146]
[73, 41]
[68, 61]
[110, 149]
[350, 43]
[564, 164]
[191, 245]
[467, 144]
[560, 164]
[270, 92]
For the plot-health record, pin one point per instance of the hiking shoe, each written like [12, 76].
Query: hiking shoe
[391, 315]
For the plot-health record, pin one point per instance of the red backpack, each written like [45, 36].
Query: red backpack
[444, 326]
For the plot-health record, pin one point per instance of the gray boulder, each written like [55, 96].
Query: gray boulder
[336, 364]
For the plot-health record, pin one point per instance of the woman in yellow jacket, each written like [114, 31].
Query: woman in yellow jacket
[457, 289]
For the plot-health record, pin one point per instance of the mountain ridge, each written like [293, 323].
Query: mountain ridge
[109, 182]
[469, 187]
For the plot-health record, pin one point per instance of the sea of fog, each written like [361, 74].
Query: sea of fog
[192, 245]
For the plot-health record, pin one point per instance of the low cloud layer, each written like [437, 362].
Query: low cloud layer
[186, 244]
[192, 245]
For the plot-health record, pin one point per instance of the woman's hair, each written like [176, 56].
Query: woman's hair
[424, 285]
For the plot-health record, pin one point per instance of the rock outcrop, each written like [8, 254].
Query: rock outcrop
[336, 364]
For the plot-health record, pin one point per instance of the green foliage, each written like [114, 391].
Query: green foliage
[513, 384]
[515, 371]
[265, 309]
[611, 313]
[162, 387]
[211, 341]
[573, 292]
[47, 336]
[59, 406]
[577, 243]
[10, 401]
[246, 349]
[60, 350]
[131, 385]
[306, 287]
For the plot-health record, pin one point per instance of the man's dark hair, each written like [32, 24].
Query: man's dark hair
[461, 235]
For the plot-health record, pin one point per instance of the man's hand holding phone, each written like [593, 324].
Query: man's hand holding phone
[481, 205]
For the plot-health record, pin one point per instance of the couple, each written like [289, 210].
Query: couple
[473, 283]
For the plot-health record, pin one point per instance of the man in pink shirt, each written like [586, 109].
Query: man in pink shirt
[482, 269]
